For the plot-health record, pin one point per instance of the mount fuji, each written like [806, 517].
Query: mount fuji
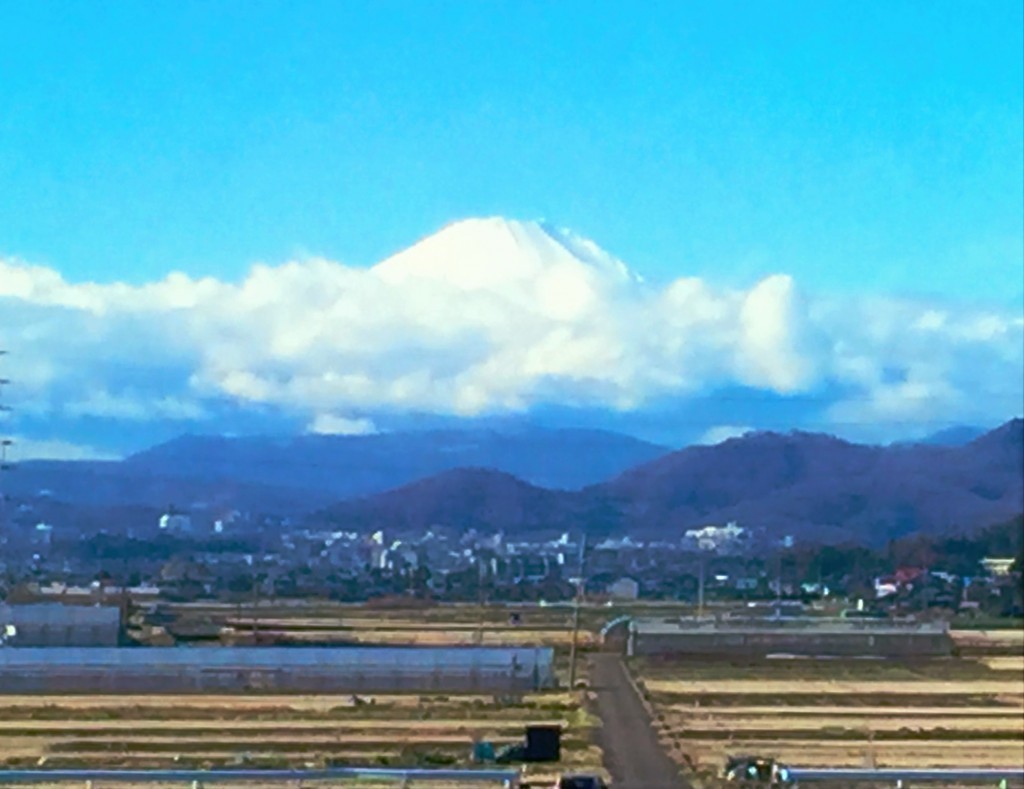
[493, 252]
[486, 320]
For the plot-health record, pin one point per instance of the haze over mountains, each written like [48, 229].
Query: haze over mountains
[294, 474]
[813, 486]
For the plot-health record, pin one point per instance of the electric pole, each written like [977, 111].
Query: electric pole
[481, 575]
[580, 584]
[700, 586]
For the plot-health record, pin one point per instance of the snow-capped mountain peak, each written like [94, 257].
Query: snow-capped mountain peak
[485, 253]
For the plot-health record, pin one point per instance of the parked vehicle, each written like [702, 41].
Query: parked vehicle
[755, 770]
[580, 781]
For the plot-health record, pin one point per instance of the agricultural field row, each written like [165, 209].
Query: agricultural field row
[280, 731]
[428, 637]
[512, 624]
[989, 642]
[840, 713]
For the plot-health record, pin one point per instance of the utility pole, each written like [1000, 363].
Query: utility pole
[700, 587]
[580, 585]
[481, 574]
[783, 544]
[778, 583]
[255, 610]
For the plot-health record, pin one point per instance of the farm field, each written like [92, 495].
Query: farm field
[311, 731]
[368, 616]
[334, 623]
[427, 636]
[280, 731]
[809, 712]
[942, 713]
[989, 642]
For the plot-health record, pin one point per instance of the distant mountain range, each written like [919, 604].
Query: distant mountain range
[809, 485]
[299, 473]
[812, 486]
[954, 436]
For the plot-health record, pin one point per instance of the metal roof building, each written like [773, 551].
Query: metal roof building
[59, 625]
[276, 669]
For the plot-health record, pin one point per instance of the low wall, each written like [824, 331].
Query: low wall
[868, 642]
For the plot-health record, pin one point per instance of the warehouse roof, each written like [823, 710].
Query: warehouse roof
[523, 659]
[57, 615]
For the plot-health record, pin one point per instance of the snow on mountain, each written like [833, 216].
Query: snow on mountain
[483, 254]
[493, 317]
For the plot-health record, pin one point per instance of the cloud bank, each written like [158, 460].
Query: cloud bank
[485, 317]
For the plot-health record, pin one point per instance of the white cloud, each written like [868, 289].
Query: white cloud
[133, 407]
[906, 363]
[489, 317]
[23, 448]
[773, 326]
[333, 425]
[720, 433]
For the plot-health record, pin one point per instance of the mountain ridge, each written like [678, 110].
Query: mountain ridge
[814, 486]
[302, 472]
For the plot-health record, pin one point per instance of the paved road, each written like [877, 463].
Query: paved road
[632, 753]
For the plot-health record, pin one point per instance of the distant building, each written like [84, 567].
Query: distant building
[998, 566]
[176, 523]
[624, 589]
[907, 576]
[903, 579]
[42, 534]
[59, 625]
[716, 538]
[609, 544]
[814, 588]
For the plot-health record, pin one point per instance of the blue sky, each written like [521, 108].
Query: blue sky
[857, 146]
[866, 150]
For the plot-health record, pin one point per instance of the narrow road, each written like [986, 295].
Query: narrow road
[632, 753]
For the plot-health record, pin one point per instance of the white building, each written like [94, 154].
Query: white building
[998, 566]
[175, 522]
[716, 538]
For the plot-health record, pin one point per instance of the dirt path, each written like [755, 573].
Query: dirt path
[632, 753]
